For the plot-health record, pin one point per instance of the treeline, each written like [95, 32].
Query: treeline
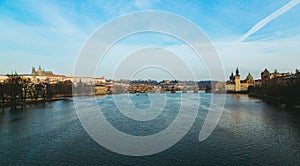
[279, 91]
[18, 89]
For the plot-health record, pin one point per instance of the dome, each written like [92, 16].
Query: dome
[249, 77]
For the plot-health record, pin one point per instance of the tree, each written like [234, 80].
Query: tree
[13, 87]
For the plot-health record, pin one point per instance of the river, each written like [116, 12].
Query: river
[250, 132]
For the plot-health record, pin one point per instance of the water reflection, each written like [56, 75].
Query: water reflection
[250, 132]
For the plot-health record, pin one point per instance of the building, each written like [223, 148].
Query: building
[3, 78]
[246, 83]
[168, 84]
[40, 72]
[42, 76]
[235, 84]
[266, 75]
[38, 76]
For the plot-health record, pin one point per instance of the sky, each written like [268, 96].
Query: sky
[250, 34]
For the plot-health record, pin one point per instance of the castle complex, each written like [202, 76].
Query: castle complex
[42, 76]
[41, 72]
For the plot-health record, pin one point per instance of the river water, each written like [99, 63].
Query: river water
[250, 132]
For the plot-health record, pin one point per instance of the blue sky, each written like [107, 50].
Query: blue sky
[51, 33]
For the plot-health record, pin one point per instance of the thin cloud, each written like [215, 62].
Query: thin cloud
[280, 53]
[268, 19]
[144, 4]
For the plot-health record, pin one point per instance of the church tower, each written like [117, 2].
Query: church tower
[40, 72]
[33, 72]
[237, 80]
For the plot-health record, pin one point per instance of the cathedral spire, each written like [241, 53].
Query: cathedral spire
[40, 72]
[33, 71]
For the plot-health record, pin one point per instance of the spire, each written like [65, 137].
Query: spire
[40, 72]
[237, 72]
[231, 77]
[33, 71]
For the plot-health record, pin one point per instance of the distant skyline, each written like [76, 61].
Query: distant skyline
[251, 35]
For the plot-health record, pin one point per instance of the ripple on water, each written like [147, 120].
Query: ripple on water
[249, 133]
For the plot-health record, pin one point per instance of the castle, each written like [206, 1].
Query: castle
[41, 76]
[235, 84]
[40, 72]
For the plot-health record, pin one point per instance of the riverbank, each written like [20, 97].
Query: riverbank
[238, 92]
[289, 99]
[29, 102]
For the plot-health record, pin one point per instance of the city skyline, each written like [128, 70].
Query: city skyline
[245, 34]
[36, 69]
